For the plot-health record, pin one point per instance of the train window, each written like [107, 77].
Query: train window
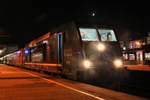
[107, 35]
[37, 57]
[88, 34]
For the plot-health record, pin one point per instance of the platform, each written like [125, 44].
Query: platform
[21, 84]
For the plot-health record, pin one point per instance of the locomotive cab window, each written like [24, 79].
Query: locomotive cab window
[107, 35]
[88, 34]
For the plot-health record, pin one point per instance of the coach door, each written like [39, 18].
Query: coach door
[60, 48]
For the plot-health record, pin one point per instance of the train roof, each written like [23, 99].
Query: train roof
[39, 39]
[71, 24]
[81, 24]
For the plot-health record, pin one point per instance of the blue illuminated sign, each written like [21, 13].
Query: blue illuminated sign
[26, 51]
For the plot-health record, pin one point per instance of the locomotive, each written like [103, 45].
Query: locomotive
[79, 52]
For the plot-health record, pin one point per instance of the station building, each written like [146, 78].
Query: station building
[137, 51]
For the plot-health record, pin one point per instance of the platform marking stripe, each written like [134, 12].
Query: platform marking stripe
[60, 84]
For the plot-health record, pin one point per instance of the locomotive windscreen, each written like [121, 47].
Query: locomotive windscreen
[107, 35]
[88, 34]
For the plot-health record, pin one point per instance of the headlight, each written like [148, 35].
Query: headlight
[87, 63]
[118, 63]
[101, 47]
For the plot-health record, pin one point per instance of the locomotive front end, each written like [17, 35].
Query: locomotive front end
[100, 48]
[102, 58]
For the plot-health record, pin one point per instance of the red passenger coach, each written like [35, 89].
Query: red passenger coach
[15, 58]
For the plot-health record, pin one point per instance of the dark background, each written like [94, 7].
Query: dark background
[24, 21]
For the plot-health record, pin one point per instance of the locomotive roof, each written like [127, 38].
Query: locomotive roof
[39, 39]
[72, 24]
[81, 24]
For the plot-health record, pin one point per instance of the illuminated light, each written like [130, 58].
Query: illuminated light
[101, 47]
[18, 52]
[124, 48]
[93, 14]
[143, 43]
[87, 63]
[138, 43]
[26, 51]
[118, 63]
[1, 51]
[45, 41]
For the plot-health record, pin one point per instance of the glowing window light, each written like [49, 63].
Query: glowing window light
[138, 43]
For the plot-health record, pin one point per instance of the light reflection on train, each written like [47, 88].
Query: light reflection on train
[75, 51]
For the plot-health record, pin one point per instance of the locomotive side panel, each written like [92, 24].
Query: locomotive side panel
[72, 51]
[53, 48]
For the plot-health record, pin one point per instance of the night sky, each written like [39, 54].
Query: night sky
[26, 20]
